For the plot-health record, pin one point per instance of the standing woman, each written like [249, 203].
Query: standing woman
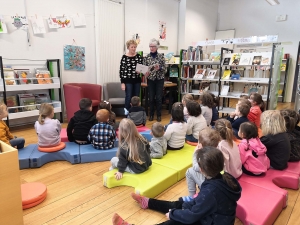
[156, 75]
[130, 79]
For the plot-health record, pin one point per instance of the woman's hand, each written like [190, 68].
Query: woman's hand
[147, 74]
[156, 67]
[123, 86]
[118, 175]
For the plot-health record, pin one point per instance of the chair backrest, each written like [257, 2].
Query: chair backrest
[113, 90]
[73, 94]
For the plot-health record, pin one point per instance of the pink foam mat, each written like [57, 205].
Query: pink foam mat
[63, 135]
[293, 167]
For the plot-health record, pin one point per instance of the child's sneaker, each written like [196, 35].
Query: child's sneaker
[117, 220]
[143, 201]
[126, 112]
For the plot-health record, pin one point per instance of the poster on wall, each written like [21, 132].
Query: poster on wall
[63, 21]
[52, 23]
[3, 28]
[162, 30]
[20, 22]
[74, 57]
[38, 26]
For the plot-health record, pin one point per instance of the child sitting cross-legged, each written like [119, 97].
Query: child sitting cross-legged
[47, 129]
[158, 144]
[241, 112]
[215, 204]
[137, 113]
[133, 155]
[5, 134]
[253, 153]
[102, 135]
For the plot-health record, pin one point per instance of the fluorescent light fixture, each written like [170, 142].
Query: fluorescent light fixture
[273, 2]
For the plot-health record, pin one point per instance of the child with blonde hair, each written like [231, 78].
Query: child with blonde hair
[112, 116]
[47, 128]
[252, 151]
[257, 107]
[228, 147]
[5, 134]
[102, 135]
[275, 139]
[207, 103]
[133, 155]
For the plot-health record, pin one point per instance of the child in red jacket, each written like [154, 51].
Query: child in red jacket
[257, 107]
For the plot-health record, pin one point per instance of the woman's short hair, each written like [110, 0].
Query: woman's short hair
[130, 42]
[272, 122]
[155, 42]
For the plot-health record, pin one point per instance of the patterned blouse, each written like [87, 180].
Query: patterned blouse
[128, 67]
[158, 59]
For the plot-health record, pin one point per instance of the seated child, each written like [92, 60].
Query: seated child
[137, 113]
[158, 144]
[228, 147]
[275, 139]
[257, 107]
[81, 123]
[207, 137]
[186, 98]
[175, 133]
[176, 105]
[133, 155]
[196, 121]
[215, 112]
[241, 112]
[252, 151]
[102, 135]
[47, 129]
[112, 116]
[207, 103]
[215, 204]
[5, 134]
[291, 120]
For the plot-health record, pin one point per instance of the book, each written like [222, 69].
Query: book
[215, 56]
[265, 60]
[44, 77]
[42, 98]
[256, 60]
[199, 73]
[173, 71]
[224, 90]
[226, 74]
[226, 61]
[27, 100]
[190, 53]
[142, 68]
[235, 76]
[235, 59]
[211, 74]
[185, 71]
[245, 59]
[9, 76]
[184, 55]
[23, 76]
[283, 67]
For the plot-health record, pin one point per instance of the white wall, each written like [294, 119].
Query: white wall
[50, 45]
[257, 17]
[201, 20]
[143, 16]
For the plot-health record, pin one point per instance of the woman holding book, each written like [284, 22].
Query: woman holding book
[155, 78]
[130, 78]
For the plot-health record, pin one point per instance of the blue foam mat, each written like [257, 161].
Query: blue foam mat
[70, 153]
[146, 134]
[89, 154]
[24, 156]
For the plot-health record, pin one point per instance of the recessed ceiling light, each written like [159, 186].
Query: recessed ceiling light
[273, 2]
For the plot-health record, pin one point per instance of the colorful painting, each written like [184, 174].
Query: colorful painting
[162, 30]
[63, 21]
[52, 23]
[74, 57]
[20, 22]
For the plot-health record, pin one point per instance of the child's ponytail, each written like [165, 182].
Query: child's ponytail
[228, 179]
[224, 128]
[41, 119]
[259, 101]
[45, 111]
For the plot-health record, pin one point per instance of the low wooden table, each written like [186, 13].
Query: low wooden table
[172, 88]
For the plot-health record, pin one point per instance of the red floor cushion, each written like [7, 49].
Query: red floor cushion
[33, 194]
[56, 148]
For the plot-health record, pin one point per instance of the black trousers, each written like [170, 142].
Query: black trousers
[163, 207]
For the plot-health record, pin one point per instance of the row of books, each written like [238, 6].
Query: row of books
[28, 101]
[247, 90]
[255, 59]
[196, 54]
[24, 76]
[198, 87]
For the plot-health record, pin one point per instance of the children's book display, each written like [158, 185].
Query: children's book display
[200, 73]
[211, 74]
[174, 71]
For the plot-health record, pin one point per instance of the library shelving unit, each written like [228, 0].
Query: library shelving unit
[296, 85]
[23, 113]
[284, 71]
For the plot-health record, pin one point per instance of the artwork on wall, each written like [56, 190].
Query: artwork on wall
[79, 20]
[38, 26]
[162, 30]
[52, 23]
[74, 57]
[20, 22]
[3, 28]
[63, 21]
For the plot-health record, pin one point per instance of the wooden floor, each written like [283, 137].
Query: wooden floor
[76, 194]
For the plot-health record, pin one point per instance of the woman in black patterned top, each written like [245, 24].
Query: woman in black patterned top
[130, 78]
[155, 76]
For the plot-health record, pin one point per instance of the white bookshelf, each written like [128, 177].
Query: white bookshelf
[28, 87]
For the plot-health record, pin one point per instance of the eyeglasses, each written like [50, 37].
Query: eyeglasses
[152, 46]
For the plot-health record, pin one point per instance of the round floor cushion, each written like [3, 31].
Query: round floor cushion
[33, 193]
[192, 143]
[56, 148]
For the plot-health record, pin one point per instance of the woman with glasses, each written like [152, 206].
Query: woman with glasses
[155, 78]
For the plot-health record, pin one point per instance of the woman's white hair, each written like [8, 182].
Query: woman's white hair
[154, 41]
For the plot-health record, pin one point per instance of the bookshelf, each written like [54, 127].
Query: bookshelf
[284, 71]
[51, 87]
[296, 85]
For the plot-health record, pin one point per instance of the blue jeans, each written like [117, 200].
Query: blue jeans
[19, 142]
[155, 88]
[130, 91]
[191, 138]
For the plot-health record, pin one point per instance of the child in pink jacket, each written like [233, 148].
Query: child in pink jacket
[252, 151]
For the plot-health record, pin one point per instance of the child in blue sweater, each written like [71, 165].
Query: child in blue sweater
[238, 117]
[215, 204]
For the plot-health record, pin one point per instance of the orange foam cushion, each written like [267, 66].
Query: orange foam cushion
[56, 148]
[192, 143]
[30, 205]
[33, 192]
